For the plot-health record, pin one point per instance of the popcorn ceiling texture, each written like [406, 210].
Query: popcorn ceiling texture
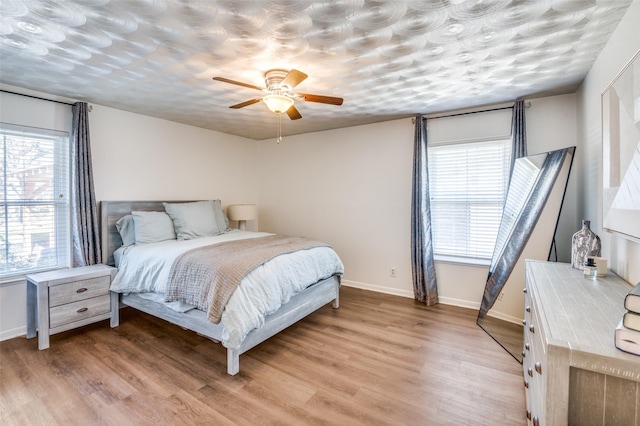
[387, 59]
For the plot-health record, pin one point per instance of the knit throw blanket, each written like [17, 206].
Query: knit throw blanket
[207, 276]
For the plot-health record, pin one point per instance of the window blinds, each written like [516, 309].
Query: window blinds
[467, 183]
[34, 214]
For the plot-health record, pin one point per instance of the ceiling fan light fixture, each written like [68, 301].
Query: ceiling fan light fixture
[277, 103]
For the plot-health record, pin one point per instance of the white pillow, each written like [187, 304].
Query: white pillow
[193, 220]
[151, 227]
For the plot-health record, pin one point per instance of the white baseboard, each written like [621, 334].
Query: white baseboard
[505, 317]
[15, 332]
[444, 300]
[459, 303]
[377, 288]
[409, 294]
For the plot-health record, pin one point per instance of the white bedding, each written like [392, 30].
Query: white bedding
[145, 268]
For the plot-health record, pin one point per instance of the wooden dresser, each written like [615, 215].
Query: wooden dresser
[68, 298]
[573, 373]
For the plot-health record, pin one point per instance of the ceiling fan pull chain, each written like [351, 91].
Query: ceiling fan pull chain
[279, 138]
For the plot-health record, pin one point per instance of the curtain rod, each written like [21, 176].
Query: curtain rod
[526, 105]
[35, 97]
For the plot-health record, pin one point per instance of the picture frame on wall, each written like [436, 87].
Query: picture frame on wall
[621, 152]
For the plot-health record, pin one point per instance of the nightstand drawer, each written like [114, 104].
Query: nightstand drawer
[76, 311]
[79, 290]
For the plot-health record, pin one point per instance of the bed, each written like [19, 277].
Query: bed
[305, 297]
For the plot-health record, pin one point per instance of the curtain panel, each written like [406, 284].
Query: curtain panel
[518, 134]
[85, 224]
[425, 286]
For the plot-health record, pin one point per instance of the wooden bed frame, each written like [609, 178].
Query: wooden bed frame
[298, 307]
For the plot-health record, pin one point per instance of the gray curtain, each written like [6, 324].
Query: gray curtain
[518, 134]
[425, 288]
[85, 224]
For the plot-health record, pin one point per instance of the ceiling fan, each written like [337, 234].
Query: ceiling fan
[279, 97]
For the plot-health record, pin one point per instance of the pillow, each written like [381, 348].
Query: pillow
[151, 227]
[193, 220]
[221, 219]
[125, 228]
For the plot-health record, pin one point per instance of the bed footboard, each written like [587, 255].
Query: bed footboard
[298, 307]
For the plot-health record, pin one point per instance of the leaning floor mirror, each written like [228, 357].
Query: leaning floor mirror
[527, 230]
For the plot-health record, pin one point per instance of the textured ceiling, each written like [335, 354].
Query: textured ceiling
[387, 59]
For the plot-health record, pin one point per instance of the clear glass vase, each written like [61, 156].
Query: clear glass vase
[584, 243]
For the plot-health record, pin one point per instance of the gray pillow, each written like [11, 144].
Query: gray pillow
[151, 227]
[125, 227]
[221, 218]
[193, 220]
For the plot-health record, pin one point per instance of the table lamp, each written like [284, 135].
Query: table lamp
[241, 213]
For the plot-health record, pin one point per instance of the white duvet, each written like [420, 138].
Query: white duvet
[145, 268]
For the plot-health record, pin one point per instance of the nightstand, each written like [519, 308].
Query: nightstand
[61, 300]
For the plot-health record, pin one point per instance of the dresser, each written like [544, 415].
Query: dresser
[68, 298]
[573, 373]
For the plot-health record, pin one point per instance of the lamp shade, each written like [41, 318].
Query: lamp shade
[277, 103]
[240, 212]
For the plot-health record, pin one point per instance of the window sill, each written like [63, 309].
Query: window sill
[21, 278]
[15, 280]
[466, 261]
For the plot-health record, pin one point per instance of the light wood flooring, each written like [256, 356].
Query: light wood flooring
[378, 360]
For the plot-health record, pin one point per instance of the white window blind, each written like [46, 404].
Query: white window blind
[467, 183]
[34, 215]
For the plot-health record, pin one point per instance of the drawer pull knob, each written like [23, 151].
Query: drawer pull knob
[528, 415]
[528, 309]
[536, 421]
[530, 372]
[81, 290]
[524, 322]
[524, 290]
[526, 384]
[524, 354]
[527, 346]
[532, 328]
[81, 310]
[538, 366]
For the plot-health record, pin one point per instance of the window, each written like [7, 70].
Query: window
[34, 214]
[468, 184]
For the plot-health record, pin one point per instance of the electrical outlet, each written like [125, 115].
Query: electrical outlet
[393, 272]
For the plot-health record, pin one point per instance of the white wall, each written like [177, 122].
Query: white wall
[352, 188]
[623, 254]
[136, 157]
[349, 187]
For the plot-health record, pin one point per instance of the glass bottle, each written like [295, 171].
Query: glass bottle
[584, 243]
[590, 269]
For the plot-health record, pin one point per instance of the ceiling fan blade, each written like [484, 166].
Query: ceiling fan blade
[293, 113]
[294, 78]
[246, 103]
[237, 83]
[320, 99]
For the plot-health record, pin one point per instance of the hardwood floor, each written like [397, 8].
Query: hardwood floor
[378, 360]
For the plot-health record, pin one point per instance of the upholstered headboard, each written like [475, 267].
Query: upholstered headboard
[111, 212]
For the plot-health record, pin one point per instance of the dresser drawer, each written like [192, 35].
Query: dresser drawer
[78, 290]
[76, 311]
